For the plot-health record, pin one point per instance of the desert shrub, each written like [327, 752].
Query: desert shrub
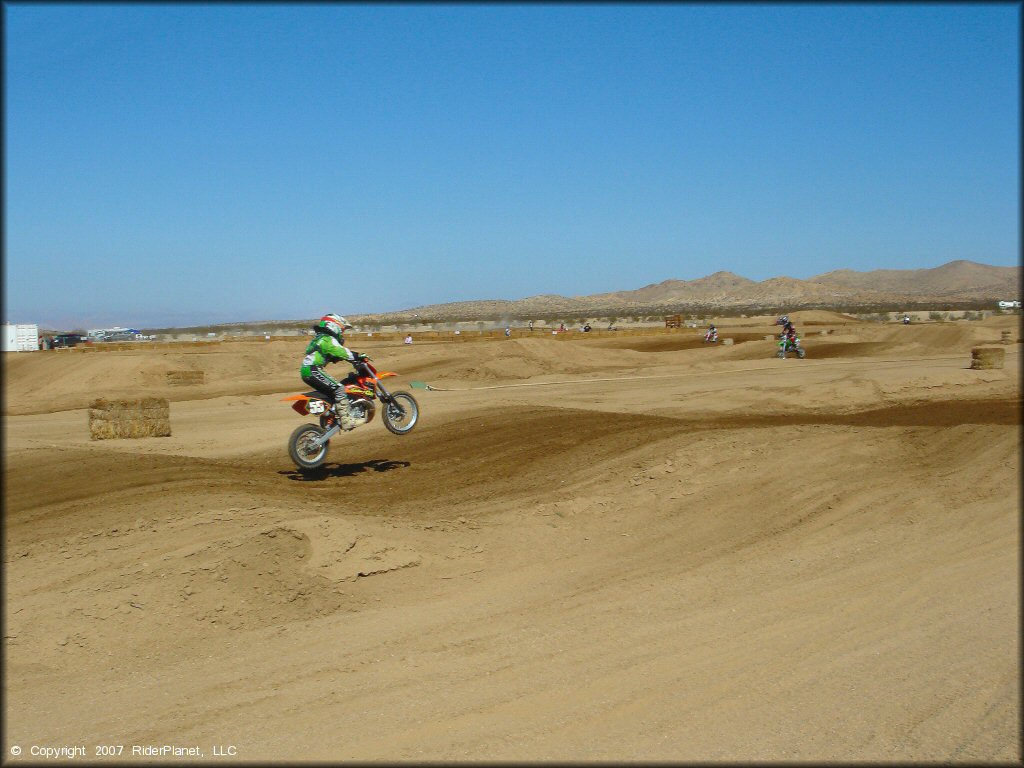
[937, 316]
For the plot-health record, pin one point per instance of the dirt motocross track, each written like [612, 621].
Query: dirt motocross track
[716, 555]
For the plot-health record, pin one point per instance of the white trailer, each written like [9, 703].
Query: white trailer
[21, 338]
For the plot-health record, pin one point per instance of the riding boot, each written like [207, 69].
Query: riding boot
[345, 419]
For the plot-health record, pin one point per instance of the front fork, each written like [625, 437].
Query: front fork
[382, 393]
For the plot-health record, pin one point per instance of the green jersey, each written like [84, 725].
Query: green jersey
[324, 349]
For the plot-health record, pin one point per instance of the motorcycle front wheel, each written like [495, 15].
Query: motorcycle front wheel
[800, 353]
[305, 453]
[401, 413]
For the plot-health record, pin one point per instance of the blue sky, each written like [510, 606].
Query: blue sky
[189, 163]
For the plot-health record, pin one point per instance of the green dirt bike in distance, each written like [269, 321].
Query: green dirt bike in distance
[308, 444]
[785, 345]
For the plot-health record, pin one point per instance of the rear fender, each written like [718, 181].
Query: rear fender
[300, 404]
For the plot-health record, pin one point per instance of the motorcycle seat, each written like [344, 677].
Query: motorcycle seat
[318, 396]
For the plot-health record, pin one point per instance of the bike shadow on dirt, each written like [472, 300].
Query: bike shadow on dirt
[343, 470]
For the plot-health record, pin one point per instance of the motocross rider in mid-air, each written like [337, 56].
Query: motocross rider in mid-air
[328, 346]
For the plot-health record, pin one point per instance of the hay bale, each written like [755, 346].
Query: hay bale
[1005, 337]
[177, 378]
[119, 419]
[727, 342]
[986, 358]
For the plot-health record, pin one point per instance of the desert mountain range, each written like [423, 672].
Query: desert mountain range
[957, 281]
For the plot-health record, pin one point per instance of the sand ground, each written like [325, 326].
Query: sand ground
[628, 549]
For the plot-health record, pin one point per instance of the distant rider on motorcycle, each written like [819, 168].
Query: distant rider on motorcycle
[790, 341]
[328, 346]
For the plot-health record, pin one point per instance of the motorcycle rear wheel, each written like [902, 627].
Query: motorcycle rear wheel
[401, 414]
[306, 455]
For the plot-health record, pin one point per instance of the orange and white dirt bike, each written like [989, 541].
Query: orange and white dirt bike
[308, 444]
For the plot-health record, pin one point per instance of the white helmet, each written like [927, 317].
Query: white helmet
[333, 324]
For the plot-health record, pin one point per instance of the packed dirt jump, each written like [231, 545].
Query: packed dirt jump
[635, 548]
